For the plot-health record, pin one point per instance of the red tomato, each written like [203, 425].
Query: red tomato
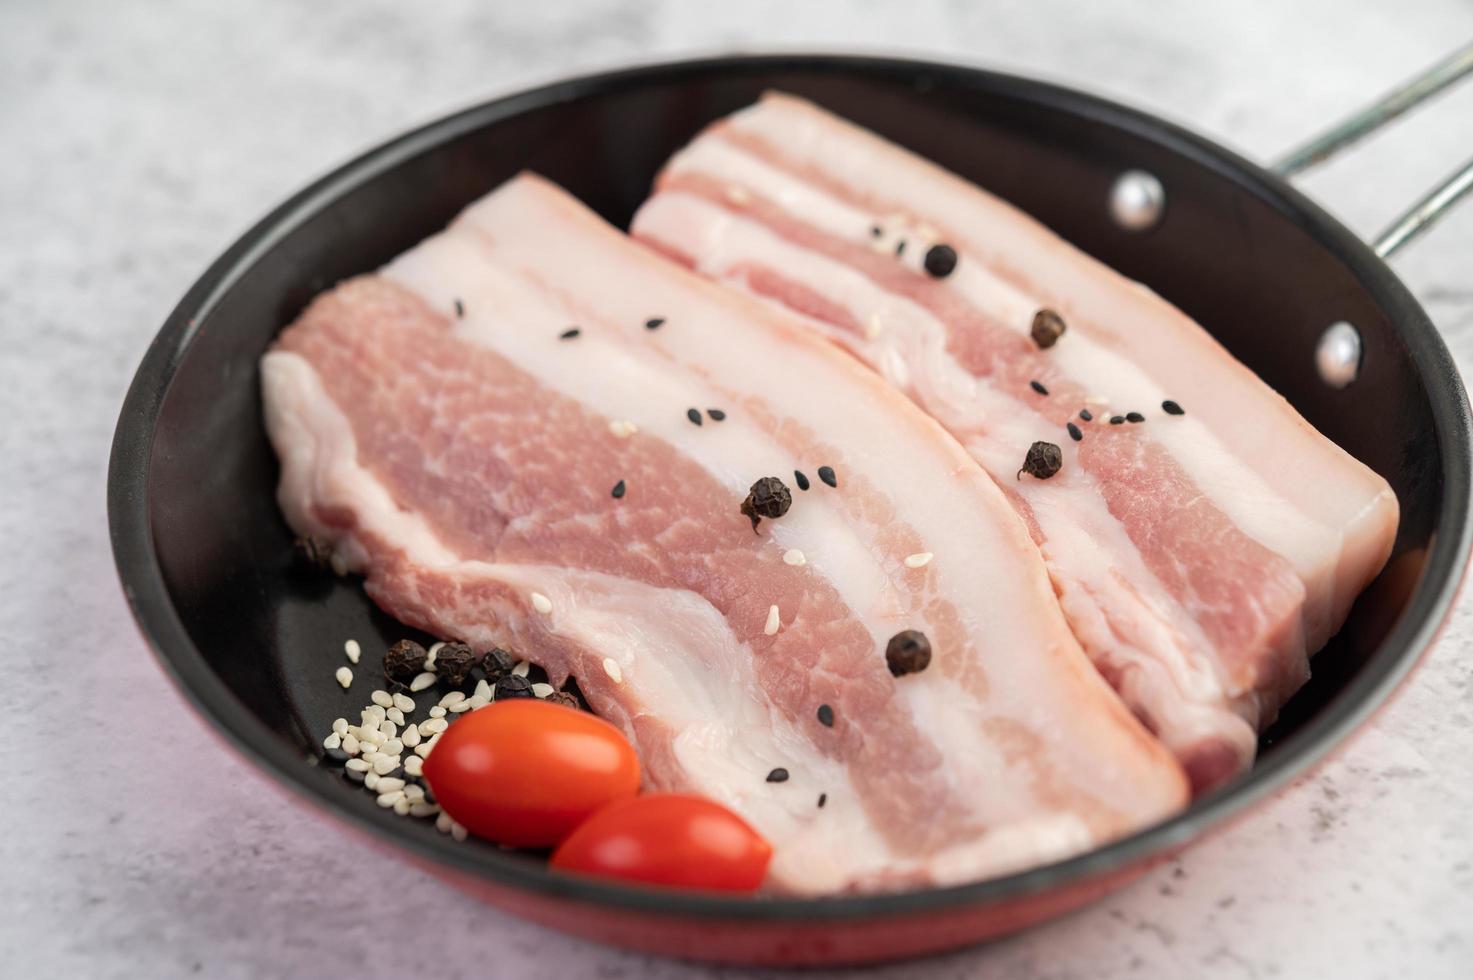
[668, 839]
[524, 772]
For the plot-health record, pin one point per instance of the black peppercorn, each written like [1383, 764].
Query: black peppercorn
[1043, 461]
[908, 652]
[312, 552]
[512, 686]
[563, 698]
[768, 497]
[454, 663]
[403, 661]
[940, 261]
[1047, 328]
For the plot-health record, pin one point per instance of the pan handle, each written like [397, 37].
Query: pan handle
[1437, 202]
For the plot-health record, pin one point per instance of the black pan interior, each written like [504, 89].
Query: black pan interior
[255, 640]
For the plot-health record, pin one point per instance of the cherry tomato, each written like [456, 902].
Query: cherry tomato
[668, 839]
[525, 772]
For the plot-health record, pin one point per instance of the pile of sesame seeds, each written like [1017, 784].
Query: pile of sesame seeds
[384, 751]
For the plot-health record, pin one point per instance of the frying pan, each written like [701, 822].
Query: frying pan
[252, 640]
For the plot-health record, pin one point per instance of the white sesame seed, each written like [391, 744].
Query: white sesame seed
[385, 764]
[459, 707]
[919, 559]
[414, 793]
[358, 765]
[483, 690]
[612, 668]
[793, 557]
[737, 195]
[541, 690]
[340, 725]
[443, 822]
[332, 741]
[339, 564]
[401, 806]
[475, 701]
[370, 780]
[873, 327]
[387, 784]
[376, 712]
[454, 697]
[387, 800]
[522, 668]
[773, 621]
[422, 681]
[344, 676]
[382, 699]
[414, 765]
[396, 716]
[458, 832]
[434, 651]
[371, 736]
[433, 727]
[410, 738]
[388, 729]
[622, 428]
[350, 744]
[353, 650]
[423, 749]
[393, 747]
[541, 603]
[404, 702]
[437, 712]
[423, 809]
[879, 245]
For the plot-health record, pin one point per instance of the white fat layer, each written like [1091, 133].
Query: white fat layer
[1260, 430]
[1311, 544]
[728, 737]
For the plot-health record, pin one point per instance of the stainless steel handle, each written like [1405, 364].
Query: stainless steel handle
[1436, 203]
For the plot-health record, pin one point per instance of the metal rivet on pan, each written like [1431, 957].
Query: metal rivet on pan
[1137, 200]
[1338, 354]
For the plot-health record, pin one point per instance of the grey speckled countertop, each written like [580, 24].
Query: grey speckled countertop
[139, 139]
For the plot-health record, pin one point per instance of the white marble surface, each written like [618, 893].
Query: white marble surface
[139, 139]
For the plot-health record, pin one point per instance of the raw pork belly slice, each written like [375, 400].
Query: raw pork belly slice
[435, 426]
[1199, 558]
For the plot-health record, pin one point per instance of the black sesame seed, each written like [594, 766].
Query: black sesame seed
[768, 497]
[1044, 459]
[1134, 417]
[569, 333]
[876, 231]
[801, 479]
[1172, 408]
[826, 474]
[778, 775]
[940, 261]
[900, 248]
[459, 309]
[618, 490]
[1087, 415]
[334, 756]
[654, 323]
[716, 414]
[822, 799]
[908, 652]
[1074, 432]
[693, 415]
[826, 716]
[354, 776]
[1038, 387]
[1117, 420]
